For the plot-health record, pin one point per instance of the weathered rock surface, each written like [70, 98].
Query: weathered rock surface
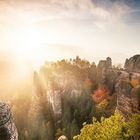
[125, 83]
[8, 130]
[106, 76]
[61, 92]
[124, 105]
[135, 96]
[128, 94]
[133, 63]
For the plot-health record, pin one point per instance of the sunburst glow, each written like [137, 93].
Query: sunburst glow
[27, 42]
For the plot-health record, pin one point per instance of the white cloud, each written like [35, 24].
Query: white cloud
[95, 27]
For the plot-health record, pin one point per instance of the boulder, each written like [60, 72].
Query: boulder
[8, 130]
[62, 138]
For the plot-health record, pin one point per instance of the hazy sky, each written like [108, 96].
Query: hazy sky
[35, 30]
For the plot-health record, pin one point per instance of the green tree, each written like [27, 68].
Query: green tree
[107, 129]
[112, 128]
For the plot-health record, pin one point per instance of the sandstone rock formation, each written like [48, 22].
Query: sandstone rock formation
[133, 64]
[128, 95]
[124, 105]
[41, 111]
[135, 98]
[124, 82]
[58, 94]
[8, 130]
[105, 75]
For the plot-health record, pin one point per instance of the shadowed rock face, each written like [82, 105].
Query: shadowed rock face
[106, 76]
[135, 95]
[8, 130]
[126, 83]
[124, 104]
[133, 63]
[128, 95]
[52, 89]
[127, 87]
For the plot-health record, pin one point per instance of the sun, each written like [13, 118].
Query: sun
[27, 37]
[27, 42]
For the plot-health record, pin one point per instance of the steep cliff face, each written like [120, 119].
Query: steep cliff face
[133, 63]
[41, 116]
[8, 130]
[135, 97]
[67, 94]
[128, 94]
[124, 105]
[123, 83]
[66, 98]
[126, 84]
[106, 76]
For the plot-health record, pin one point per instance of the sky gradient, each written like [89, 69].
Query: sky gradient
[39, 30]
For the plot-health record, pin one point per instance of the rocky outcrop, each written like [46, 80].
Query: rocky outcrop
[105, 63]
[41, 115]
[106, 76]
[124, 82]
[64, 95]
[135, 97]
[124, 106]
[8, 130]
[133, 64]
[128, 95]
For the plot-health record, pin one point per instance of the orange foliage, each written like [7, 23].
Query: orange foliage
[134, 82]
[100, 94]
